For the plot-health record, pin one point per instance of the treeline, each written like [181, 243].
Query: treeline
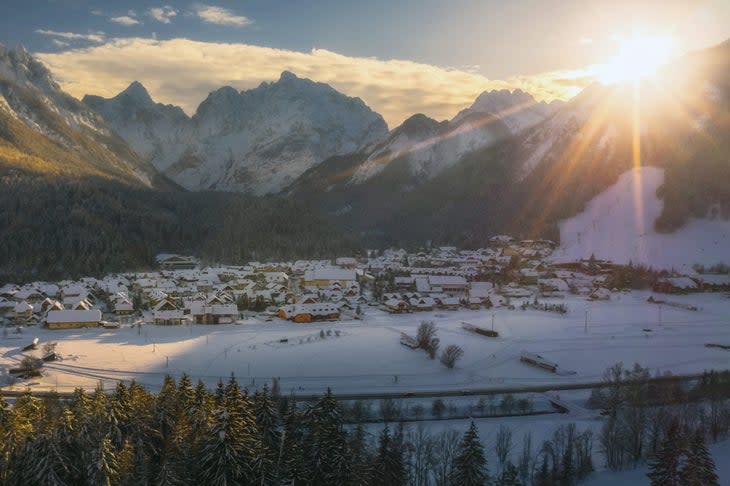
[61, 228]
[186, 434]
[189, 435]
[649, 421]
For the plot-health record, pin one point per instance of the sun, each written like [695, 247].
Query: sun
[638, 56]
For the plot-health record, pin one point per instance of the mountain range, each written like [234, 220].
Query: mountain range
[505, 164]
[254, 141]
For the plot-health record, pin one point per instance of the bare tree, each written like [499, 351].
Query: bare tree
[438, 408]
[390, 410]
[451, 355]
[503, 445]
[446, 444]
[426, 332]
[526, 460]
[426, 338]
[422, 452]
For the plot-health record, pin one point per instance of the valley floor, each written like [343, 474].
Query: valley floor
[366, 355]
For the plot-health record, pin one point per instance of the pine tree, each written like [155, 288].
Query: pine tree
[567, 471]
[325, 447]
[267, 430]
[510, 476]
[221, 462]
[118, 410]
[543, 477]
[50, 465]
[470, 465]
[664, 468]
[360, 458]
[389, 467]
[699, 470]
[290, 464]
[102, 468]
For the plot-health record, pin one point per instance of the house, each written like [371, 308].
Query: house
[346, 262]
[474, 303]
[309, 312]
[308, 299]
[449, 303]
[715, 282]
[676, 285]
[73, 319]
[448, 283]
[22, 312]
[29, 295]
[82, 304]
[166, 313]
[325, 277]
[397, 306]
[122, 305]
[404, 282]
[480, 290]
[600, 293]
[422, 303]
[49, 304]
[529, 276]
[177, 262]
[213, 312]
[552, 286]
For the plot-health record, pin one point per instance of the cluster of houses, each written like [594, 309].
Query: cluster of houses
[61, 306]
[181, 291]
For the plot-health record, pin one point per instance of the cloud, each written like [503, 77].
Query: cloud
[162, 14]
[220, 16]
[586, 40]
[124, 20]
[183, 72]
[60, 43]
[96, 37]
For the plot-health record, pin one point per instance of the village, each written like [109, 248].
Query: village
[490, 300]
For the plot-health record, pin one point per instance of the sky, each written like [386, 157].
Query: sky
[400, 56]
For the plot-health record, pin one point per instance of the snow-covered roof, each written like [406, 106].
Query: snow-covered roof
[330, 274]
[60, 316]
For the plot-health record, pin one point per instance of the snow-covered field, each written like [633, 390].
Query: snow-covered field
[618, 225]
[367, 355]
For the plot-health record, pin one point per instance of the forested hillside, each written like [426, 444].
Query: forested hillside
[65, 227]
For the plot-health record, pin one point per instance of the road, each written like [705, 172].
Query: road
[543, 388]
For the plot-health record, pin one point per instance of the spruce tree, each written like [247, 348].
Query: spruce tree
[360, 458]
[389, 467]
[102, 468]
[510, 476]
[221, 462]
[543, 477]
[470, 465]
[664, 467]
[699, 469]
[325, 447]
[567, 471]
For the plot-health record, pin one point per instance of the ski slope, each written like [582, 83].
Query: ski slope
[618, 225]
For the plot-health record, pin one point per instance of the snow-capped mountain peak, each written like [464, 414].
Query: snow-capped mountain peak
[516, 109]
[257, 141]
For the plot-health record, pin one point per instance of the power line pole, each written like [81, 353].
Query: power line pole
[492, 321]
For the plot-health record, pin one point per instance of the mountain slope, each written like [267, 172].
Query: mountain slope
[77, 200]
[526, 183]
[256, 141]
[618, 225]
[42, 129]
